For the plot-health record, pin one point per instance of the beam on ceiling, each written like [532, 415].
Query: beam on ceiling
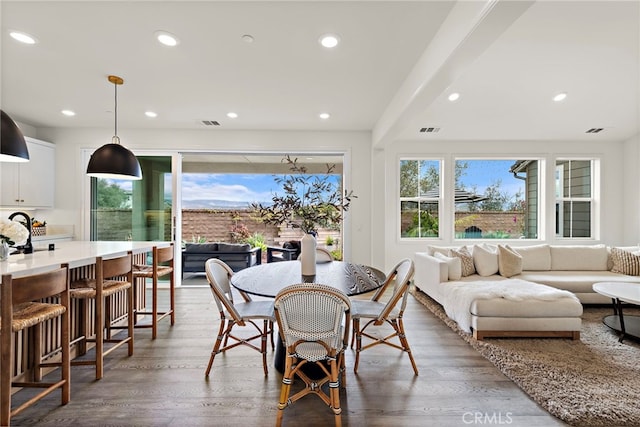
[470, 28]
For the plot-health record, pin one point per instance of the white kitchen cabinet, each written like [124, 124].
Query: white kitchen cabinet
[30, 184]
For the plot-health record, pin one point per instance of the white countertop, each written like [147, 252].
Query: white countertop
[75, 253]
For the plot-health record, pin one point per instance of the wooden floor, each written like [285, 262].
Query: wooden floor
[163, 383]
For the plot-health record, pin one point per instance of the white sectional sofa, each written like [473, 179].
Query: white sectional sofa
[512, 291]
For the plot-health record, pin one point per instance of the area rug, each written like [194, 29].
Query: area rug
[591, 382]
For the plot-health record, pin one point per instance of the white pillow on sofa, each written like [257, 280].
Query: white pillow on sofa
[454, 265]
[485, 259]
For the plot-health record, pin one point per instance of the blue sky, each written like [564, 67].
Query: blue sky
[483, 173]
[259, 187]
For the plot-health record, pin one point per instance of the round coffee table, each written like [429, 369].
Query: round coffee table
[620, 292]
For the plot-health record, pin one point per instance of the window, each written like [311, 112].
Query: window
[574, 198]
[419, 198]
[496, 199]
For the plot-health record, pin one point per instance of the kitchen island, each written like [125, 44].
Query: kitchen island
[74, 253]
[80, 256]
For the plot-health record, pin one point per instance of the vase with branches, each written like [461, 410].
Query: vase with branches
[307, 202]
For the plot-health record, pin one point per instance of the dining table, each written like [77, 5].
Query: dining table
[266, 280]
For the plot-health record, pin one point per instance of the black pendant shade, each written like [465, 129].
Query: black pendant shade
[13, 147]
[114, 161]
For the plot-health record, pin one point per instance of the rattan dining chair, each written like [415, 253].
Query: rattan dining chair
[161, 265]
[28, 304]
[247, 313]
[113, 277]
[314, 326]
[322, 255]
[377, 313]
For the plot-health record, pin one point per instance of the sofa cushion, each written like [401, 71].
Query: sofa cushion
[625, 262]
[454, 265]
[535, 258]
[234, 247]
[466, 259]
[485, 259]
[201, 247]
[509, 261]
[579, 257]
[432, 250]
[578, 282]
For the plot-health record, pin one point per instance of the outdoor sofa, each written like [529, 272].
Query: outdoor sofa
[236, 255]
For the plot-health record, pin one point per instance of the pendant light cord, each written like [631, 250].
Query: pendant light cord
[116, 109]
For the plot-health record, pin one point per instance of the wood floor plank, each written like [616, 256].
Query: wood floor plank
[163, 383]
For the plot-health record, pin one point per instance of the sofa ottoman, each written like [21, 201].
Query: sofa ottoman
[498, 317]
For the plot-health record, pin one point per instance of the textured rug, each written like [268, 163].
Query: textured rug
[591, 382]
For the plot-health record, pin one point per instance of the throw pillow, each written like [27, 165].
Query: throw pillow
[485, 258]
[454, 265]
[509, 261]
[625, 262]
[466, 260]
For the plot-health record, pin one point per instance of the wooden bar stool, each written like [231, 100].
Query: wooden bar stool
[161, 265]
[113, 277]
[23, 311]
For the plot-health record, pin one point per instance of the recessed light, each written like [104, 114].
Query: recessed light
[151, 114]
[166, 38]
[454, 96]
[68, 113]
[232, 115]
[23, 37]
[329, 40]
[324, 116]
[560, 97]
[247, 38]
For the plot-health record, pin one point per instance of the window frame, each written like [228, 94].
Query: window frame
[420, 199]
[560, 199]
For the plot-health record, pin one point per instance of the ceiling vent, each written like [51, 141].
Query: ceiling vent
[210, 123]
[429, 130]
[595, 130]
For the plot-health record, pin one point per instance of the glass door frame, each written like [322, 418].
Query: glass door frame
[176, 203]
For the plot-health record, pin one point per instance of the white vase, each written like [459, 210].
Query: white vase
[4, 251]
[308, 255]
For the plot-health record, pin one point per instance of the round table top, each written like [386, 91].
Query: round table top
[624, 291]
[268, 279]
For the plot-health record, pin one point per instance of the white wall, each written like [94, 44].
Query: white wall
[373, 219]
[614, 195]
[71, 178]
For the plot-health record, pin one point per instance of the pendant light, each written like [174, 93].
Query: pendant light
[13, 147]
[114, 160]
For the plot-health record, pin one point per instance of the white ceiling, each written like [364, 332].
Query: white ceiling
[391, 74]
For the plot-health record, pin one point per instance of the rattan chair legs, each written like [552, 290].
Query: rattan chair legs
[376, 313]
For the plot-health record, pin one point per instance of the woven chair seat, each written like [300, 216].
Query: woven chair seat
[361, 309]
[86, 288]
[255, 310]
[31, 313]
[144, 270]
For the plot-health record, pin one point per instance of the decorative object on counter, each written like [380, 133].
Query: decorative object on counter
[114, 160]
[13, 147]
[38, 228]
[309, 202]
[11, 232]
